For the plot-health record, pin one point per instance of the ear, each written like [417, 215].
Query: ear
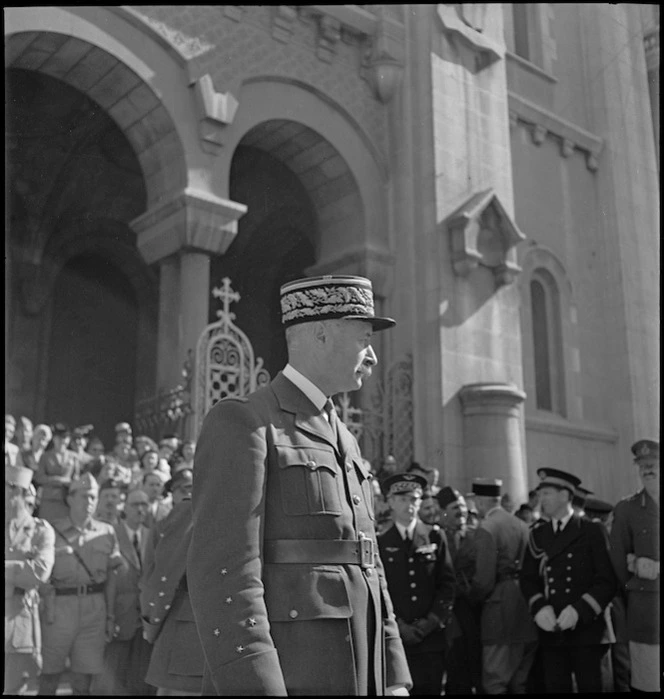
[320, 332]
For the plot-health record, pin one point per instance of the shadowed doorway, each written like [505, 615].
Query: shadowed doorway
[92, 351]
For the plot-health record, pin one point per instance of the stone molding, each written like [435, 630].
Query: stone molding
[551, 425]
[216, 109]
[491, 399]
[481, 232]
[544, 122]
[486, 50]
[190, 220]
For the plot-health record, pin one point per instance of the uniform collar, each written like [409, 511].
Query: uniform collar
[310, 390]
[564, 521]
[410, 529]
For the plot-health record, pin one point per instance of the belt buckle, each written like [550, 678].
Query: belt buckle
[82, 589]
[366, 552]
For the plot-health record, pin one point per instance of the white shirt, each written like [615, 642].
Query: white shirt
[409, 529]
[310, 390]
[563, 520]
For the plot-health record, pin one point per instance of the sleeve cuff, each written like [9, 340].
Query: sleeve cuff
[536, 602]
[590, 610]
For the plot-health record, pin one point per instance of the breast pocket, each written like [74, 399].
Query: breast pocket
[310, 481]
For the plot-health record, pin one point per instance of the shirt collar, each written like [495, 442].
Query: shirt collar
[410, 529]
[131, 531]
[310, 390]
[563, 520]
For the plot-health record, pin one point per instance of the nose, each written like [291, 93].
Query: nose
[370, 357]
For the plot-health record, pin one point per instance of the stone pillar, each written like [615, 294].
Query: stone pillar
[180, 234]
[493, 436]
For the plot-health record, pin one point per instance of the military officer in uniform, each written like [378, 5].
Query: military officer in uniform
[507, 632]
[79, 616]
[283, 570]
[568, 582]
[636, 559]
[464, 660]
[420, 579]
[29, 552]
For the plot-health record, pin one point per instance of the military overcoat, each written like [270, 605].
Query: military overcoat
[268, 470]
[571, 568]
[635, 530]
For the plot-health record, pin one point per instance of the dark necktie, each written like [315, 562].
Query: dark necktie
[559, 526]
[332, 417]
[137, 548]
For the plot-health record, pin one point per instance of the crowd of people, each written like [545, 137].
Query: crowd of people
[89, 535]
[283, 563]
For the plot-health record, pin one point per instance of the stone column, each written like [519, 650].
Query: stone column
[180, 234]
[493, 436]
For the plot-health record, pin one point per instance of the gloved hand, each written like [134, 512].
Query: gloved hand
[646, 568]
[567, 618]
[410, 635]
[546, 619]
[427, 625]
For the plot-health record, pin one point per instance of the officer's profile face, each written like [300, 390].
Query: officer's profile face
[430, 511]
[553, 501]
[405, 506]
[82, 503]
[348, 355]
[649, 471]
[455, 514]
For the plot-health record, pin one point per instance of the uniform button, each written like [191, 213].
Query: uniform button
[390, 560]
[413, 598]
[569, 579]
[161, 594]
[569, 555]
[293, 614]
[167, 606]
[369, 572]
[361, 535]
[311, 464]
[411, 572]
[156, 621]
[569, 568]
[548, 567]
[163, 578]
[413, 584]
[410, 560]
[551, 580]
[357, 499]
[349, 465]
[567, 589]
[553, 592]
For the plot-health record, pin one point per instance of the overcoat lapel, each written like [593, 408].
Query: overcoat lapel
[307, 418]
[126, 546]
[559, 542]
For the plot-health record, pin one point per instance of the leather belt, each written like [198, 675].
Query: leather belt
[92, 589]
[320, 551]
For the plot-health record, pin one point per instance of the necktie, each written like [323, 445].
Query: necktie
[331, 417]
[137, 548]
[559, 526]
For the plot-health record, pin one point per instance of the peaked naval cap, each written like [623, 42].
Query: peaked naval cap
[558, 479]
[329, 297]
[404, 483]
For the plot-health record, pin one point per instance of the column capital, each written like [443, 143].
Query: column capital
[490, 398]
[192, 220]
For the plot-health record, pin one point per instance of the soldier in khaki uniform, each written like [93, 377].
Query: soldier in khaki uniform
[636, 559]
[29, 547]
[78, 615]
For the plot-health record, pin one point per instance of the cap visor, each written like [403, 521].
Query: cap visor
[376, 323]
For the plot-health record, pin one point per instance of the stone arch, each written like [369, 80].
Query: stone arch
[303, 129]
[541, 264]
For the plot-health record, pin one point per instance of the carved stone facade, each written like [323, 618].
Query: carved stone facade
[471, 166]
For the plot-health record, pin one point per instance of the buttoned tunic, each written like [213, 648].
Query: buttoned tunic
[54, 473]
[79, 621]
[635, 530]
[570, 568]
[420, 579]
[268, 468]
[500, 543]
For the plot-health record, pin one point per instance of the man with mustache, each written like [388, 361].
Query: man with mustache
[283, 571]
[635, 557]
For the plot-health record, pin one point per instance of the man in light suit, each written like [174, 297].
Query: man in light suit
[508, 634]
[286, 583]
[127, 656]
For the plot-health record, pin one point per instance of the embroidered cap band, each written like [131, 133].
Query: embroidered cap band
[329, 297]
[404, 483]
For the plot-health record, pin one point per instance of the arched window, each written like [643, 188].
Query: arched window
[547, 350]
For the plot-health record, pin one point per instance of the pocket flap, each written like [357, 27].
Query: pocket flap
[311, 457]
[295, 592]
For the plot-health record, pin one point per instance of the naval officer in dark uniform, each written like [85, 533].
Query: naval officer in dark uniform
[420, 579]
[286, 584]
[636, 558]
[568, 581]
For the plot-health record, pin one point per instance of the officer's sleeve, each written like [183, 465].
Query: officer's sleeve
[224, 568]
[38, 563]
[604, 585]
[445, 582]
[621, 543]
[486, 555]
[530, 580]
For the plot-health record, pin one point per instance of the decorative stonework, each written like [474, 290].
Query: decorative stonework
[482, 233]
[282, 22]
[217, 110]
[544, 124]
[459, 26]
